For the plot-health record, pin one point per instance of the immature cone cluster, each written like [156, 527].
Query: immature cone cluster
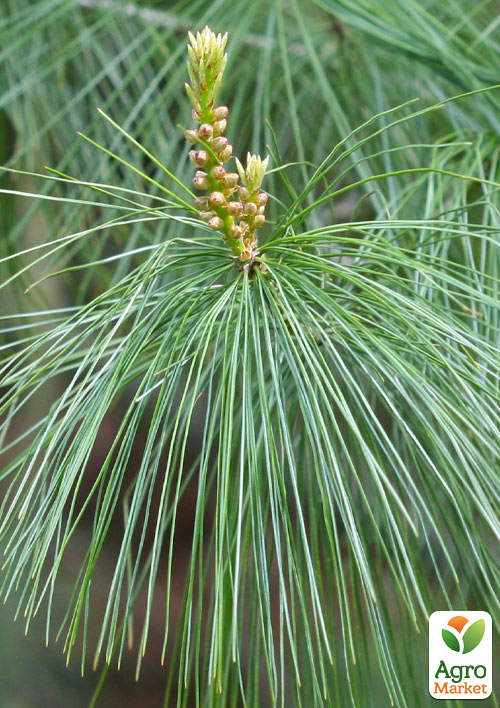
[236, 210]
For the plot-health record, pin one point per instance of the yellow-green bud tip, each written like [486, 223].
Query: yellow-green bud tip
[253, 174]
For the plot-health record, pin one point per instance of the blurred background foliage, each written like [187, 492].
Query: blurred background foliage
[302, 74]
[307, 72]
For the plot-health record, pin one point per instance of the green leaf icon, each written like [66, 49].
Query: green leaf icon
[451, 641]
[473, 636]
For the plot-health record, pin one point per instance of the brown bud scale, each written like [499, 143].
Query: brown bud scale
[220, 143]
[220, 126]
[217, 199]
[218, 172]
[216, 223]
[231, 179]
[205, 131]
[198, 157]
[236, 231]
[221, 112]
[250, 208]
[226, 153]
[234, 208]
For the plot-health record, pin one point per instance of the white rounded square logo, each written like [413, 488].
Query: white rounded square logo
[460, 655]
